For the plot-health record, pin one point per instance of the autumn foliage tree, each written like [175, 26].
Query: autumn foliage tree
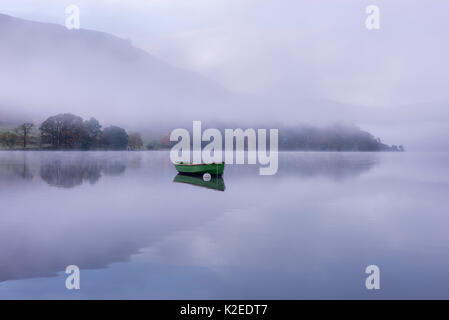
[68, 131]
[64, 131]
[135, 141]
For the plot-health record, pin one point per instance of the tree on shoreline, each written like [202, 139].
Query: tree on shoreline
[68, 131]
[115, 138]
[8, 139]
[135, 141]
[94, 134]
[64, 131]
[24, 131]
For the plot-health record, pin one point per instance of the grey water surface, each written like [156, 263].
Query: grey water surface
[307, 232]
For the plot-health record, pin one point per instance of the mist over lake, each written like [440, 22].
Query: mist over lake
[307, 232]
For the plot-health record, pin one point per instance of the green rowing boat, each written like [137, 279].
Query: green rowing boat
[200, 168]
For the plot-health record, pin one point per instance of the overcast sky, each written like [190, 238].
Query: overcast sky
[309, 49]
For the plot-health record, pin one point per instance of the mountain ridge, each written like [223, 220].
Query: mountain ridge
[52, 63]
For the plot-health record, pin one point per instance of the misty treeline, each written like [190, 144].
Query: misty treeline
[70, 132]
[335, 137]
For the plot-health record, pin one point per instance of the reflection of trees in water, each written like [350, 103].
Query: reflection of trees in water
[18, 167]
[330, 165]
[114, 168]
[25, 171]
[336, 166]
[71, 173]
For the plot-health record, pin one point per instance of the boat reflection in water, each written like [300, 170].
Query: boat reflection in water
[215, 182]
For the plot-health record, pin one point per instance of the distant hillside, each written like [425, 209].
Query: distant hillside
[48, 69]
[332, 138]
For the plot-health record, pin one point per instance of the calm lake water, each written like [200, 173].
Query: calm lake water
[307, 232]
